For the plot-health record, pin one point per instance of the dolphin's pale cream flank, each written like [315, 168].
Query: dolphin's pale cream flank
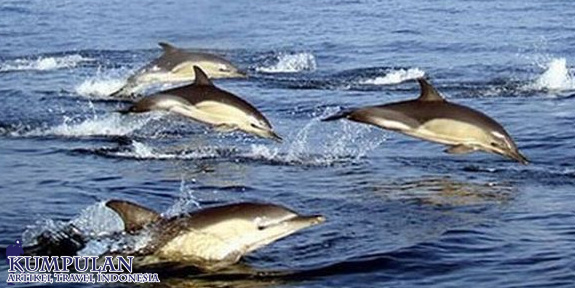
[211, 238]
[206, 103]
[175, 65]
[430, 117]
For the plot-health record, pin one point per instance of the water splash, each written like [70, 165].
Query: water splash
[97, 220]
[348, 144]
[186, 200]
[351, 143]
[395, 77]
[94, 220]
[290, 63]
[101, 85]
[556, 77]
[143, 151]
[97, 125]
[43, 63]
[108, 125]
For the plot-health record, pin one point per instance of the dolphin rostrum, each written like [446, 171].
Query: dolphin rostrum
[209, 239]
[430, 117]
[206, 103]
[176, 65]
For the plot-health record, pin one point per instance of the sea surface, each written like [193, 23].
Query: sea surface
[400, 212]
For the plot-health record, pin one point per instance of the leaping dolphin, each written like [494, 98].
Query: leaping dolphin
[209, 239]
[430, 117]
[176, 65]
[206, 103]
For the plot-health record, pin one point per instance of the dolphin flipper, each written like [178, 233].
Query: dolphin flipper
[135, 217]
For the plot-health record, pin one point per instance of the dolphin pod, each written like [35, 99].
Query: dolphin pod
[209, 239]
[430, 117]
[217, 237]
[204, 102]
[176, 65]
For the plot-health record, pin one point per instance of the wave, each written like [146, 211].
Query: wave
[113, 124]
[143, 151]
[289, 63]
[43, 63]
[109, 125]
[557, 77]
[395, 77]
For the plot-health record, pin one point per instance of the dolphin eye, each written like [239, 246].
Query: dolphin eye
[493, 144]
[254, 126]
[224, 69]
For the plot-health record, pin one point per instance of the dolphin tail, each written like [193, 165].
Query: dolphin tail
[339, 115]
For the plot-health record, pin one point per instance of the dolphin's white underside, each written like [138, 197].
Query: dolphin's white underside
[223, 243]
[211, 112]
[444, 131]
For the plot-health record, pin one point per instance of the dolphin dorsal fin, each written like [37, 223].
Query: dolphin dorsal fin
[167, 47]
[135, 217]
[428, 92]
[201, 77]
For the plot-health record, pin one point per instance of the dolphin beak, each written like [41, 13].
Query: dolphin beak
[517, 156]
[241, 74]
[274, 136]
[309, 220]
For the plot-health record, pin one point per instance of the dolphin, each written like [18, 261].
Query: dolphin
[206, 103]
[176, 65]
[212, 238]
[430, 117]
[209, 239]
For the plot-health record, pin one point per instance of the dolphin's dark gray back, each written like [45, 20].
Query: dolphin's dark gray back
[203, 89]
[173, 56]
[416, 112]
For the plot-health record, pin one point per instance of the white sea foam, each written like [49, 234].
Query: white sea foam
[143, 151]
[395, 77]
[112, 124]
[43, 63]
[108, 125]
[99, 87]
[94, 220]
[556, 77]
[290, 63]
[98, 219]
[102, 84]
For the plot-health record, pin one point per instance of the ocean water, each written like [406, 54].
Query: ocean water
[400, 212]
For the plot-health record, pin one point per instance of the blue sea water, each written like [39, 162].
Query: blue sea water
[400, 212]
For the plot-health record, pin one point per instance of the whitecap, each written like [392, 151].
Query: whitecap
[395, 77]
[113, 124]
[43, 63]
[556, 77]
[290, 63]
[101, 85]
